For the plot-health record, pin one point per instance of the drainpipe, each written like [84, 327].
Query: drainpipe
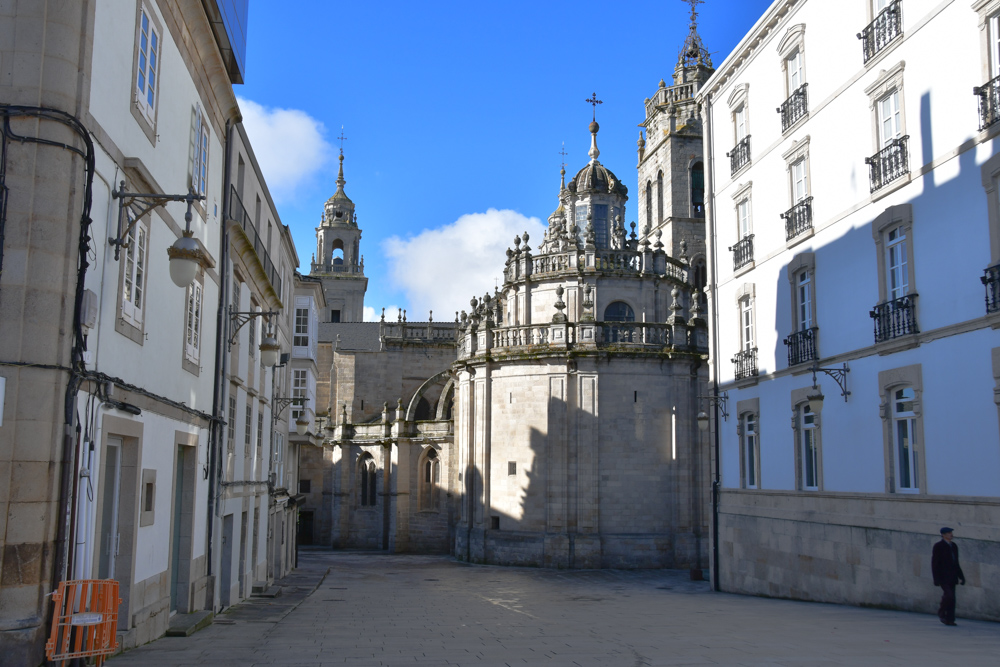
[713, 326]
[220, 386]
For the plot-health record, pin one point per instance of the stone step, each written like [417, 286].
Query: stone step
[265, 590]
[185, 625]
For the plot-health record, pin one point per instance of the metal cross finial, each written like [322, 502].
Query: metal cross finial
[593, 101]
[564, 154]
[694, 9]
[342, 137]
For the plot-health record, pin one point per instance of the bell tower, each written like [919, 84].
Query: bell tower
[671, 171]
[338, 261]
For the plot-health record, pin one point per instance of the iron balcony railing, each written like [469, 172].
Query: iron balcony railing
[878, 34]
[739, 157]
[745, 363]
[798, 218]
[888, 164]
[742, 252]
[238, 213]
[895, 318]
[991, 279]
[794, 107]
[989, 102]
[802, 346]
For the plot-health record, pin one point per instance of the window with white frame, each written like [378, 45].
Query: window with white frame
[740, 122]
[901, 391]
[803, 299]
[808, 448]
[147, 64]
[747, 341]
[248, 436]
[301, 336]
[795, 74]
[231, 425]
[904, 421]
[198, 152]
[192, 329]
[260, 432]
[133, 298]
[299, 388]
[743, 218]
[890, 122]
[897, 272]
[751, 451]
[800, 189]
[279, 456]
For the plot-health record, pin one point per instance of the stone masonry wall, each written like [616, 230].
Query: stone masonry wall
[860, 549]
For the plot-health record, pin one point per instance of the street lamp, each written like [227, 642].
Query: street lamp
[186, 255]
[269, 348]
[702, 421]
[301, 424]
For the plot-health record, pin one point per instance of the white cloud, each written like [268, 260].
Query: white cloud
[391, 313]
[288, 143]
[441, 269]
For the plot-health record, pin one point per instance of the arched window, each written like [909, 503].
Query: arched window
[430, 478]
[423, 412]
[699, 273]
[698, 190]
[619, 311]
[649, 203]
[659, 197]
[338, 257]
[367, 481]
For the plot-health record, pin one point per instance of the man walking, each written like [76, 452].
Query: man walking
[947, 573]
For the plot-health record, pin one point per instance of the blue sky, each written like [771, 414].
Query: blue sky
[452, 109]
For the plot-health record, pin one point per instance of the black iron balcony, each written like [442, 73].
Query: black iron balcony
[895, 318]
[742, 252]
[798, 218]
[991, 279]
[989, 102]
[802, 346]
[745, 363]
[239, 213]
[795, 107]
[888, 164]
[739, 157]
[887, 26]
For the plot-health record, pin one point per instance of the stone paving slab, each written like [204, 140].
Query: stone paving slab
[373, 609]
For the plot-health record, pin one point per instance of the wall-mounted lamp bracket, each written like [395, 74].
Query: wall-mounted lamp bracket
[141, 203]
[237, 319]
[722, 401]
[279, 404]
[839, 376]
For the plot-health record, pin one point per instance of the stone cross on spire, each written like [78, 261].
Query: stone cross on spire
[594, 127]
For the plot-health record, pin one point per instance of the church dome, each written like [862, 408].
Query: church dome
[597, 178]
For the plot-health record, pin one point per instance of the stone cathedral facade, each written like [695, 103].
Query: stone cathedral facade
[554, 423]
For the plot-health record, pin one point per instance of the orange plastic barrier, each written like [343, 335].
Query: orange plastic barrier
[84, 621]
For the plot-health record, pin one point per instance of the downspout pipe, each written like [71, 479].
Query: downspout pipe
[713, 328]
[219, 389]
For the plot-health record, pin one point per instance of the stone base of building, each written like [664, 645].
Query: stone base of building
[578, 550]
[859, 549]
[23, 646]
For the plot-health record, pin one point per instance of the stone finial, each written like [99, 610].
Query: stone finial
[474, 302]
[430, 316]
[633, 237]
[642, 141]
[524, 237]
[658, 246]
[404, 314]
[684, 251]
[456, 317]
[383, 313]
[560, 305]
[517, 244]
[675, 304]
[695, 304]
[663, 84]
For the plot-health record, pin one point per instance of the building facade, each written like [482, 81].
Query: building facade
[854, 356]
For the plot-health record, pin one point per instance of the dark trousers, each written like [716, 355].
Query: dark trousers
[946, 612]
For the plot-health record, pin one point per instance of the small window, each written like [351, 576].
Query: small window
[300, 385]
[147, 66]
[803, 297]
[260, 432]
[335, 316]
[301, 337]
[659, 198]
[511, 467]
[619, 311]
[192, 334]
[305, 486]
[890, 125]
[649, 204]
[134, 279]
[231, 425]
[897, 274]
[743, 216]
[495, 523]
[698, 190]
[147, 505]
[746, 324]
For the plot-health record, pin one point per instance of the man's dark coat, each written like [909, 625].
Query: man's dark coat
[944, 564]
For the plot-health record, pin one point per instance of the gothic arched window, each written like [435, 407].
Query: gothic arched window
[619, 311]
[659, 197]
[367, 480]
[430, 478]
[698, 190]
[649, 203]
[423, 411]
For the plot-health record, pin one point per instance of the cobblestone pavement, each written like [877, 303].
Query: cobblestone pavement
[373, 609]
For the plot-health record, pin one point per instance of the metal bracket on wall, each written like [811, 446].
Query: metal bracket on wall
[839, 376]
[139, 204]
[238, 319]
[722, 400]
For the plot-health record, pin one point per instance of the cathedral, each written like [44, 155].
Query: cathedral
[554, 422]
